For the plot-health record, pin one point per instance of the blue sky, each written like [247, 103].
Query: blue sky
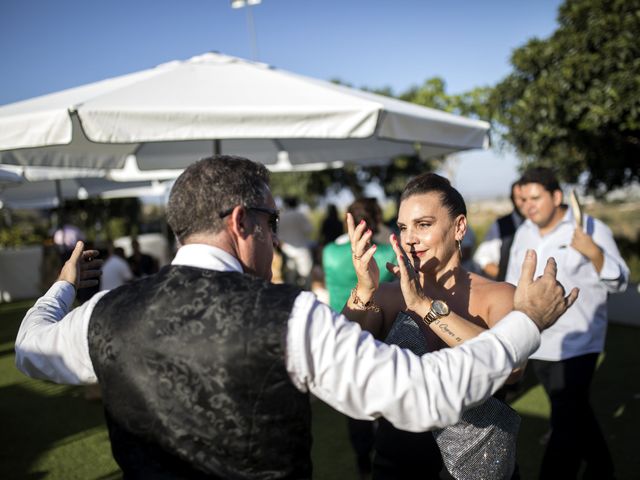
[48, 45]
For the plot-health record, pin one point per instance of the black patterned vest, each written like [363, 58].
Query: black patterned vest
[192, 368]
[507, 229]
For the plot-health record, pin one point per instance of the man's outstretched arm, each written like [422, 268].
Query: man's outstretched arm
[52, 341]
[363, 378]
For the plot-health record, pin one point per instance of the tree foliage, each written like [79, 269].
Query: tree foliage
[432, 93]
[573, 100]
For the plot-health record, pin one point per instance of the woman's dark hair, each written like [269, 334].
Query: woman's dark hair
[366, 209]
[432, 182]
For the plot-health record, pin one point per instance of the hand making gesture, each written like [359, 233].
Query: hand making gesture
[362, 250]
[543, 300]
[83, 268]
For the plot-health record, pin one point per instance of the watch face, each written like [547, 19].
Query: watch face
[440, 308]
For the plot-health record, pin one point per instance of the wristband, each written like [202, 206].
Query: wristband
[369, 306]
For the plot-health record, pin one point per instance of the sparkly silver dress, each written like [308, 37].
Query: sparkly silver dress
[482, 446]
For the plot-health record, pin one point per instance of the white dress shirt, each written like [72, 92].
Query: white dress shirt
[327, 355]
[115, 272]
[488, 250]
[582, 329]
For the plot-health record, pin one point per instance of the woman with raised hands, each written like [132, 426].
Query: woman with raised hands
[435, 304]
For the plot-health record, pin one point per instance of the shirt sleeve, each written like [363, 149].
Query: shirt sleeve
[615, 272]
[489, 249]
[348, 369]
[516, 257]
[488, 252]
[52, 342]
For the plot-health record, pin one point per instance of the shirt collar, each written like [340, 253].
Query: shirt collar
[516, 218]
[567, 218]
[206, 256]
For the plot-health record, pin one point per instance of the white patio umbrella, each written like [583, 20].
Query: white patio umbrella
[46, 194]
[173, 114]
[8, 177]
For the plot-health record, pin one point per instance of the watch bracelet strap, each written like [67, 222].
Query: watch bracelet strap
[430, 317]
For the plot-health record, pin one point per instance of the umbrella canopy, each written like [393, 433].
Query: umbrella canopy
[173, 114]
[52, 193]
[9, 177]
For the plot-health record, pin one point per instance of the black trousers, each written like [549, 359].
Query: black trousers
[361, 435]
[575, 433]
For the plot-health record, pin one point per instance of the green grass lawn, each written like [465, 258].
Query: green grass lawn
[52, 432]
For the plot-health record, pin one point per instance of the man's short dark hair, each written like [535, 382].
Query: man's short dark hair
[432, 182]
[211, 186]
[542, 175]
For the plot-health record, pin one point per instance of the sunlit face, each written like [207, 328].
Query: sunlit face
[428, 234]
[261, 241]
[540, 205]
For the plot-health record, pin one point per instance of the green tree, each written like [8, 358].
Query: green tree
[432, 93]
[573, 100]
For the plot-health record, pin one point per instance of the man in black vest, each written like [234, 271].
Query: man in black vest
[206, 366]
[492, 255]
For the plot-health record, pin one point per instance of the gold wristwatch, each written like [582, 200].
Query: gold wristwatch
[438, 309]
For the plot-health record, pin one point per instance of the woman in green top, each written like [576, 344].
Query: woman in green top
[339, 274]
[340, 277]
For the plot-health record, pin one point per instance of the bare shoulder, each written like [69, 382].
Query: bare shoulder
[493, 299]
[485, 285]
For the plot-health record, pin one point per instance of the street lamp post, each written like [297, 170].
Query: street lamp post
[250, 24]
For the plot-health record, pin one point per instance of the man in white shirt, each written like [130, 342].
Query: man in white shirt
[295, 237]
[116, 270]
[206, 366]
[588, 259]
[492, 255]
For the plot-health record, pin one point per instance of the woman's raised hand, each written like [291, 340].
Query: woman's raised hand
[409, 279]
[362, 251]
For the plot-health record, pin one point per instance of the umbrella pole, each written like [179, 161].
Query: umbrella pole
[60, 202]
[216, 147]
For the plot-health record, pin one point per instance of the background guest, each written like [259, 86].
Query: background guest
[115, 271]
[141, 264]
[294, 233]
[332, 227]
[492, 255]
[340, 277]
[565, 363]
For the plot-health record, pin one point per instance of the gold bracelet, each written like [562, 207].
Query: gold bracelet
[370, 306]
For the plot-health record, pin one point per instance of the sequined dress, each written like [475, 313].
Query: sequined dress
[483, 444]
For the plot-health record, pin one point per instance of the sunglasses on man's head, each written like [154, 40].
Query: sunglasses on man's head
[274, 215]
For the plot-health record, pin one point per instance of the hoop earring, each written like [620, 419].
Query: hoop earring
[459, 242]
